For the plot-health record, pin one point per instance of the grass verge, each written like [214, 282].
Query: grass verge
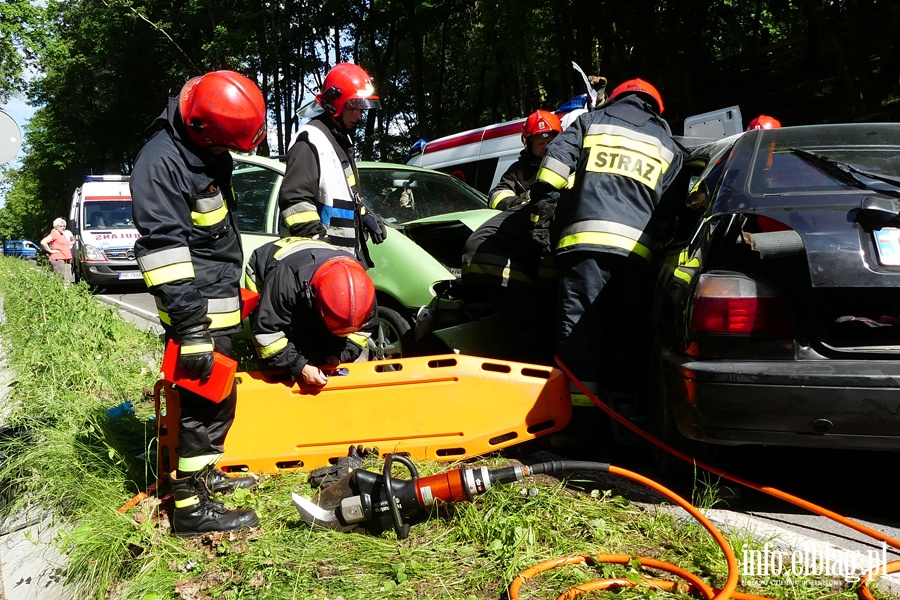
[74, 360]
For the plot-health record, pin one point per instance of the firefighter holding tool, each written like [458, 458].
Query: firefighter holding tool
[316, 308]
[624, 160]
[190, 255]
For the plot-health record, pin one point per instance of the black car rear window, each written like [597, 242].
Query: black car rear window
[782, 163]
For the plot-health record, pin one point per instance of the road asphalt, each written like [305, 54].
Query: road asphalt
[30, 565]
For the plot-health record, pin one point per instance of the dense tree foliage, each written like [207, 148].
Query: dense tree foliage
[440, 66]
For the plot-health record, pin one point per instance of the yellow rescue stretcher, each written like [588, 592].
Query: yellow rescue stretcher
[441, 408]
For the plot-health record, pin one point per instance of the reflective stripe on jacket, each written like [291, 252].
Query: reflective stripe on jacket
[320, 184]
[190, 248]
[287, 330]
[624, 160]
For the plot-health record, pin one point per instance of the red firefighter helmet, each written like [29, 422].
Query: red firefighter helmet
[639, 86]
[540, 123]
[223, 108]
[344, 294]
[344, 84]
[764, 122]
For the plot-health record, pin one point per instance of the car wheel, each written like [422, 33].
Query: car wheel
[391, 337]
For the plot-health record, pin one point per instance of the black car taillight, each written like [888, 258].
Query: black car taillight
[733, 304]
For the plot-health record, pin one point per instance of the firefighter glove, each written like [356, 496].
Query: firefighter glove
[196, 355]
[310, 229]
[376, 228]
[541, 217]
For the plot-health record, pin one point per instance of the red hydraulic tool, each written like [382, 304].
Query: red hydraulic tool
[363, 501]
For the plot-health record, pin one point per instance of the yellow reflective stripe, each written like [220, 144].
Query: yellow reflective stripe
[187, 502]
[301, 217]
[197, 349]
[197, 463]
[224, 320]
[272, 349]
[596, 238]
[683, 275]
[165, 266]
[500, 195]
[290, 245]
[360, 340]
[555, 179]
[351, 179]
[209, 218]
[169, 274]
[598, 129]
[579, 399]
[250, 282]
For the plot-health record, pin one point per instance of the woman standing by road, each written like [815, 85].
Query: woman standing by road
[59, 250]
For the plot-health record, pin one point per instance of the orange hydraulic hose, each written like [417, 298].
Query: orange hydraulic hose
[695, 582]
[863, 590]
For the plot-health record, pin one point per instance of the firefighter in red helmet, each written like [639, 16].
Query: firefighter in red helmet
[624, 161]
[190, 255]
[764, 122]
[316, 308]
[319, 196]
[538, 130]
[499, 260]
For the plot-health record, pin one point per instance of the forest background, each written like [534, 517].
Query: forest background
[101, 70]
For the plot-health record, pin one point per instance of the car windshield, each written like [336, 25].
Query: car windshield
[108, 214]
[403, 195]
[828, 159]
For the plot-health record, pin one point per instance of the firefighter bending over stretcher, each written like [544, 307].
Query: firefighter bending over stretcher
[316, 308]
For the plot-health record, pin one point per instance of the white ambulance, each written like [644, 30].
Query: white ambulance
[104, 230]
[481, 156]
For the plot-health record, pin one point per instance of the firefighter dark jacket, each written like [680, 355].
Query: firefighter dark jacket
[624, 160]
[190, 249]
[513, 187]
[286, 327]
[320, 190]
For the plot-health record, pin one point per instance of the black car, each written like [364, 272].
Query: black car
[777, 307]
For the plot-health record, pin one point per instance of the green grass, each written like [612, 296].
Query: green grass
[74, 359]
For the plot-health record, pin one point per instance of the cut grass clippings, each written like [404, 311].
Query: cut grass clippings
[74, 359]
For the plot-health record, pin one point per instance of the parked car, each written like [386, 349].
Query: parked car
[777, 316]
[21, 249]
[430, 215]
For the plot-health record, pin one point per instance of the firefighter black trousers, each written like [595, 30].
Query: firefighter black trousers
[602, 319]
[204, 424]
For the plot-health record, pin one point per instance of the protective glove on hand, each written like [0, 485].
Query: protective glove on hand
[377, 230]
[541, 217]
[195, 357]
[309, 229]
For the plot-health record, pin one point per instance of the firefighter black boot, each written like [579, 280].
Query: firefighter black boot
[195, 513]
[219, 482]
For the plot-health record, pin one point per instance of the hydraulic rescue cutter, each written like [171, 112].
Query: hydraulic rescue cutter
[438, 408]
[367, 502]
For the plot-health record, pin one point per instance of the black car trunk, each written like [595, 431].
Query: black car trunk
[846, 301]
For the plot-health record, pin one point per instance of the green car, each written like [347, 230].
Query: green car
[430, 215]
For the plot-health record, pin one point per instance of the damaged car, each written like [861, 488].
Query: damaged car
[430, 215]
[777, 306]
